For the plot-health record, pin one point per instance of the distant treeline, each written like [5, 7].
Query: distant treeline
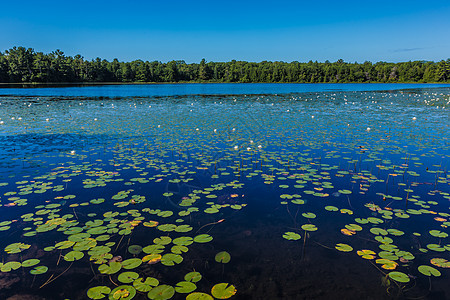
[25, 65]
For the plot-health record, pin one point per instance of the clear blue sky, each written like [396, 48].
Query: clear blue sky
[279, 30]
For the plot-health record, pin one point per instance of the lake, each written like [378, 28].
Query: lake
[217, 191]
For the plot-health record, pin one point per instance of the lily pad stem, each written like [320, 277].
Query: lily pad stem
[110, 279]
[50, 281]
[118, 244]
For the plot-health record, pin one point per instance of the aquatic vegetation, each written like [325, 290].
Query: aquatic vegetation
[143, 195]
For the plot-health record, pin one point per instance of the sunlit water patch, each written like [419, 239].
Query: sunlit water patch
[312, 195]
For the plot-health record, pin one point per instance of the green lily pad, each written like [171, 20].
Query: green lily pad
[331, 208]
[438, 234]
[153, 249]
[185, 287]
[145, 285]
[171, 259]
[128, 277]
[163, 240]
[378, 231]
[309, 227]
[344, 247]
[16, 248]
[428, 271]
[131, 263]
[135, 249]
[223, 290]
[123, 292]
[98, 292]
[39, 270]
[30, 262]
[183, 241]
[309, 215]
[183, 228]
[199, 296]
[203, 238]
[161, 292]
[111, 268]
[193, 276]
[223, 257]
[73, 256]
[289, 235]
[399, 277]
[64, 244]
[9, 266]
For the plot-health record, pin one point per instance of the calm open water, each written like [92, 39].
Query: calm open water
[310, 191]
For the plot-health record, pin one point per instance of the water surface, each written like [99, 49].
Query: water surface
[315, 194]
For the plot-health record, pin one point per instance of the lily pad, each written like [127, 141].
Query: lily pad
[73, 256]
[171, 259]
[309, 227]
[123, 292]
[98, 292]
[193, 276]
[30, 262]
[185, 287]
[199, 296]
[291, 236]
[344, 247]
[128, 277]
[131, 263]
[223, 290]
[161, 292]
[399, 277]
[145, 285]
[203, 238]
[39, 270]
[223, 257]
[428, 271]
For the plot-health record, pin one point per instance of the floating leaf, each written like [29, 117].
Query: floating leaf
[161, 292]
[135, 249]
[39, 270]
[73, 255]
[98, 292]
[223, 257]
[438, 262]
[131, 263]
[111, 268]
[128, 277]
[309, 227]
[199, 296]
[11, 265]
[366, 254]
[171, 259]
[30, 262]
[223, 291]
[344, 247]
[203, 238]
[16, 248]
[438, 234]
[185, 287]
[145, 285]
[399, 277]
[123, 292]
[193, 277]
[291, 236]
[428, 271]
[152, 258]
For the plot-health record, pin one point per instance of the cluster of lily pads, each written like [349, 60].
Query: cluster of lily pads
[170, 171]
